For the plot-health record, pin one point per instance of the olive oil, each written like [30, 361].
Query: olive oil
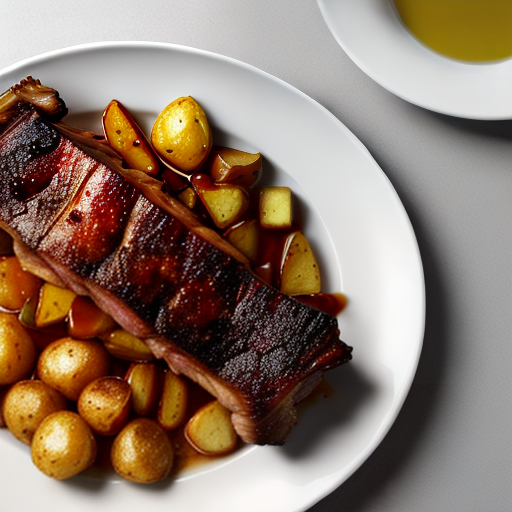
[468, 30]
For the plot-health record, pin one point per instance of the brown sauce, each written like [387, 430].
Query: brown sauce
[331, 303]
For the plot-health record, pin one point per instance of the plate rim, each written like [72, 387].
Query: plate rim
[421, 293]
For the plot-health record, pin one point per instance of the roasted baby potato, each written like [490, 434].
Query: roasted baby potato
[17, 350]
[225, 203]
[127, 138]
[230, 165]
[104, 404]
[27, 404]
[86, 320]
[181, 134]
[245, 237]
[172, 408]
[53, 305]
[16, 285]
[300, 274]
[68, 365]
[144, 380]
[63, 445]
[276, 207]
[142, 452]
[124, 345]
[210, 430]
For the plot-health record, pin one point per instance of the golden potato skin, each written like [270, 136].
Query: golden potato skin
[142, 452]
[17, 350]
[210, 431]
[127, 138]
[181, 134]
[27, 404]
[68, 365]
[172, 409]
[105, 404]
[63, 445]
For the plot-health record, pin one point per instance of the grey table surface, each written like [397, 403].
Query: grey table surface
[450, 448]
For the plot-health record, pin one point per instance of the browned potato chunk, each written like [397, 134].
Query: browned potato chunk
[142, 452]
[104, 404]
[144, 379]
[63, 445]
[245, 237]
[181, 134]
[124, 345]
[86, 320]
[173, 403]
[225, 203]
[233, 166]
[127, 138]
[54, 305]
[276, 207]
[27, 404]
[210, 430]
[68, 365]
[300, 274]
[16, 285]
[17, 350]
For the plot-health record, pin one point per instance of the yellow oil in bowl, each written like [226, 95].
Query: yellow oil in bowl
[468, 30]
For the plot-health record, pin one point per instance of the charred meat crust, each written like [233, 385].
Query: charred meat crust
[80, 219]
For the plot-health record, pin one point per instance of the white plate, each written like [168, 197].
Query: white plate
[374, 37]
[353, 218]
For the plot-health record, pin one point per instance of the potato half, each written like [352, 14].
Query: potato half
[210, 430]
